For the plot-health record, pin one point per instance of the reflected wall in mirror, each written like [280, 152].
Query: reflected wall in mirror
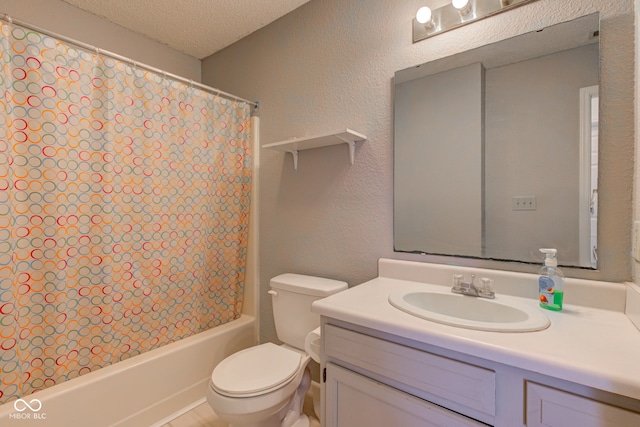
[495, 149]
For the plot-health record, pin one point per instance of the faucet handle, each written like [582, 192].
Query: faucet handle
[457, 280]
[486, 288]
[457, 283]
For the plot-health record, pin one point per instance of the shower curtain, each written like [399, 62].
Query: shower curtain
[124, 202]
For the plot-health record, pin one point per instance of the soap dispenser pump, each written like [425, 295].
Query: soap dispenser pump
[551, 282]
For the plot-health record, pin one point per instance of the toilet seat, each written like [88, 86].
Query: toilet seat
[255, 371]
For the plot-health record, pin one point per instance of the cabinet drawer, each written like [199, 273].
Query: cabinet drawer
[355, 400]
[459, 382]
[550, 407]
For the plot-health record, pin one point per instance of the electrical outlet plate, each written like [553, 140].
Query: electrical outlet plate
[524, 203]
[635, 244]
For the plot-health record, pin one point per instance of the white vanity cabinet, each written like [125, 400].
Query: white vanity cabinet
[376, 380]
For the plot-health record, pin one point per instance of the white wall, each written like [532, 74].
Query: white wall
[329, 65]
[69, 21]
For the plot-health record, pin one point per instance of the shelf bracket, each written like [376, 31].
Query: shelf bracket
[294, 153]
[352, 147]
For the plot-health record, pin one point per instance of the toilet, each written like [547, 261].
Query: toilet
[265, 385]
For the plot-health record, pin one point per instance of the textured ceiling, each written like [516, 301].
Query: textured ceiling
[196, 27]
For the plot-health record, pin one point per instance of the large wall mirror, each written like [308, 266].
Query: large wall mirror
[496, 149]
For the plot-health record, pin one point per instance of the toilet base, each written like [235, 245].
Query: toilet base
[289, 414]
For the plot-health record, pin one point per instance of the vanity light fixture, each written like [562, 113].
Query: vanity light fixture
[428, 23]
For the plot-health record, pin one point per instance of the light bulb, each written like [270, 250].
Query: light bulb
[460, 4]
[424, 15]
[463, 6]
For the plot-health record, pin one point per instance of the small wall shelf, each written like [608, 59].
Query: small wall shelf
[293, 145]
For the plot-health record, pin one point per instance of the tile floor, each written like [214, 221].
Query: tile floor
[200, 416]
[203, 416]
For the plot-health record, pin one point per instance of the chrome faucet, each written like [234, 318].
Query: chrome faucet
[485, 290]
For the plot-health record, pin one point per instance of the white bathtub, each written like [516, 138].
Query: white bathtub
[138, 391]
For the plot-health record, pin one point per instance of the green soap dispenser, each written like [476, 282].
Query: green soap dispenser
[551, 282]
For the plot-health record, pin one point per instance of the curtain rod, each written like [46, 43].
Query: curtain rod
[5, 17]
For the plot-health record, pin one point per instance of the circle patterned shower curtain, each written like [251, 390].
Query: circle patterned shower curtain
[124, 202]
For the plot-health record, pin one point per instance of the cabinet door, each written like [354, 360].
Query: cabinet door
[355, 400]
[549, 407]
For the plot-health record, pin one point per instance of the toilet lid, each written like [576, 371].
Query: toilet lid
[255, 370]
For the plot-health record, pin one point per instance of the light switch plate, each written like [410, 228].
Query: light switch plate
[524, 203]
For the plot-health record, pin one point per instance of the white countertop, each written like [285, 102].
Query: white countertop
[594, 347]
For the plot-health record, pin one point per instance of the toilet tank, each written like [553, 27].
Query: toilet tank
[292, 296]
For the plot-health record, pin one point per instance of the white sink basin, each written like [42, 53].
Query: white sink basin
[505, 315]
